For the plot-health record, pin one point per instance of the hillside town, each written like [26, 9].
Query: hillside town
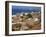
[26, 21]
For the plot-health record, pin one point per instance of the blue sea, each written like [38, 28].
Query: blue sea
[20, 9]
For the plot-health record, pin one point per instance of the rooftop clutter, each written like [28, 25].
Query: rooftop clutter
[26, 21]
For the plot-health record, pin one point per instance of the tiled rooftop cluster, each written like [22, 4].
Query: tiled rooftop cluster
[26, 21]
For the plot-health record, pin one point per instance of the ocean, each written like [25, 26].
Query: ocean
[20, 9]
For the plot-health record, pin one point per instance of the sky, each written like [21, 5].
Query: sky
[20, 9]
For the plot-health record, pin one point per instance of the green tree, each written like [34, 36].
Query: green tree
[29, 15]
